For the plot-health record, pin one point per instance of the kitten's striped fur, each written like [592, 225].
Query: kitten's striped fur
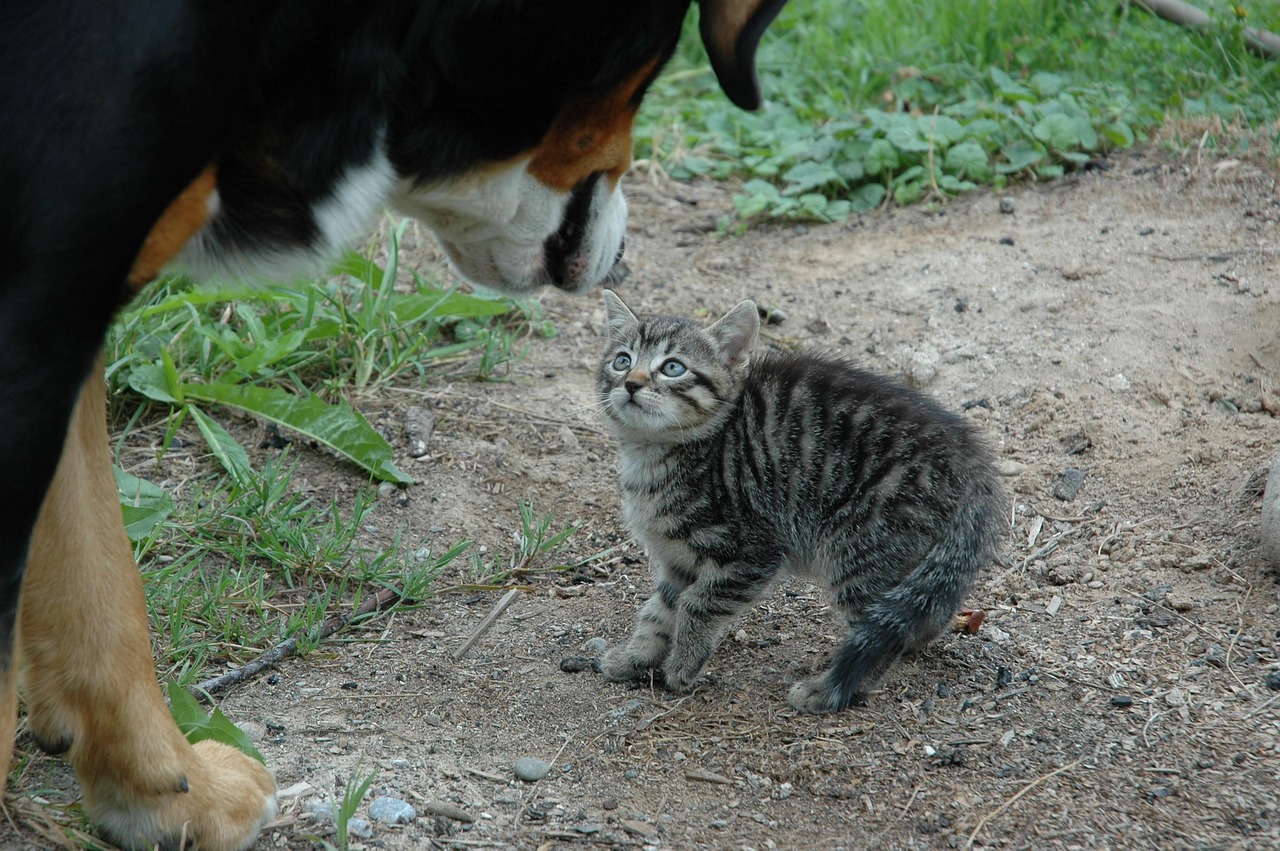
[739, 466]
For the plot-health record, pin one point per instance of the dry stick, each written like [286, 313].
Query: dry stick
[486, 623]
[383, 599]
[1262, 42]
[1024, 790]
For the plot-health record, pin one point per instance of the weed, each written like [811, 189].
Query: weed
[874, 101]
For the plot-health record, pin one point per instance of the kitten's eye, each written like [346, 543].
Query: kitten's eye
[674, 369]
[622, 362]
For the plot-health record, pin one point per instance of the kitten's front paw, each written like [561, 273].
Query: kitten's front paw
[623, 665]
[815, 696]
[679, 677]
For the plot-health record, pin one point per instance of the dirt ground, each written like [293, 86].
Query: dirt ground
[1124, 689]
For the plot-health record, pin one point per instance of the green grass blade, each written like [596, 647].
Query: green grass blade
[143, 504]
[338, 426]
[225, 448]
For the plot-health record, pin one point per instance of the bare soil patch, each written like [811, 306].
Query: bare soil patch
[1120, 322]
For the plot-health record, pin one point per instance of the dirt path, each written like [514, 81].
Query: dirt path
[1122, 323]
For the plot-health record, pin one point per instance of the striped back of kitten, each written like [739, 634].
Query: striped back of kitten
[738, 466]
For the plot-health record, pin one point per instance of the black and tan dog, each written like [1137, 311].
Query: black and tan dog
[249, 136]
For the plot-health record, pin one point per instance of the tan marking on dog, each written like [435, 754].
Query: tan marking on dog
[85, 647]
[591, 135]
[181, 219]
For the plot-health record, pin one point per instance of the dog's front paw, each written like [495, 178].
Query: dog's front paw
[221, 801]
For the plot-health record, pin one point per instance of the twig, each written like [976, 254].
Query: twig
[1265, 44]
[498, 609]
[1217, 256]
[907, 805]
[1258, 709]
[385, 598]
[1024, 790]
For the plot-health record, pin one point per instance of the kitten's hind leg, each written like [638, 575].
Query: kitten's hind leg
[901, 620]
[641, 657]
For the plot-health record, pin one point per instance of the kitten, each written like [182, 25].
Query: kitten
[739, 466]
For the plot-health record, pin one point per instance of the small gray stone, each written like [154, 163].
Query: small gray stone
[1215, 656]
[574, 664]
[386, 489]
[596, 645]
[1006, 206]
[921, 365]
[1068, 485]
[255, 731]
[1271, 514]
[530, 770]
[324, 812]
[390, 810]
[359, 828]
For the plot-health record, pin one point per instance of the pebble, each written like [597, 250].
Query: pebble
[921, 365]
[255, 731]
[1006, 206]
[1273, 680]
[1117, 383]
[390, 810]
[359, 828]
[1068, 485]
[1271, 514]
[387, 489]
[530, 770]
[324, 811]
[1215, 656]
[1122, 700]
[574, 664]
[595, 645]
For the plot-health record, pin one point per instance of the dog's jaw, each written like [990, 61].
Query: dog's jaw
[503, 228]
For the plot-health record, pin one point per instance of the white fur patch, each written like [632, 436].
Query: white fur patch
[493, 224]
[347, 214]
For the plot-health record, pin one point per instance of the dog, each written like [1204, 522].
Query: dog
[253, 138]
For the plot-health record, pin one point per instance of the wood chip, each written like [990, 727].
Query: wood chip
[969, 620]
[638, 828]
[446, 810]
[706, 776]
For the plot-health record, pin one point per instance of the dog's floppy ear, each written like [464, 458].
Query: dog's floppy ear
[731, 29]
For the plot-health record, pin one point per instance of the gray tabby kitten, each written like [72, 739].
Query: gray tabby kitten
[737, 467]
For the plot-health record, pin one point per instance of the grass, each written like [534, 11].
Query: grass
[236, 559]
[870, 101]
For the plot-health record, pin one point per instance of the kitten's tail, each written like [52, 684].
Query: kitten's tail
[918, 609]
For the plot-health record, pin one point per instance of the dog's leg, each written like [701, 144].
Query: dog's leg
[89, 679]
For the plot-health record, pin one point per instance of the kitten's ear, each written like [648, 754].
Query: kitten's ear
[737, 330]
[619, 317]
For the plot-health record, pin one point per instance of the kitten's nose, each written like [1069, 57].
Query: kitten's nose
[632, 386]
